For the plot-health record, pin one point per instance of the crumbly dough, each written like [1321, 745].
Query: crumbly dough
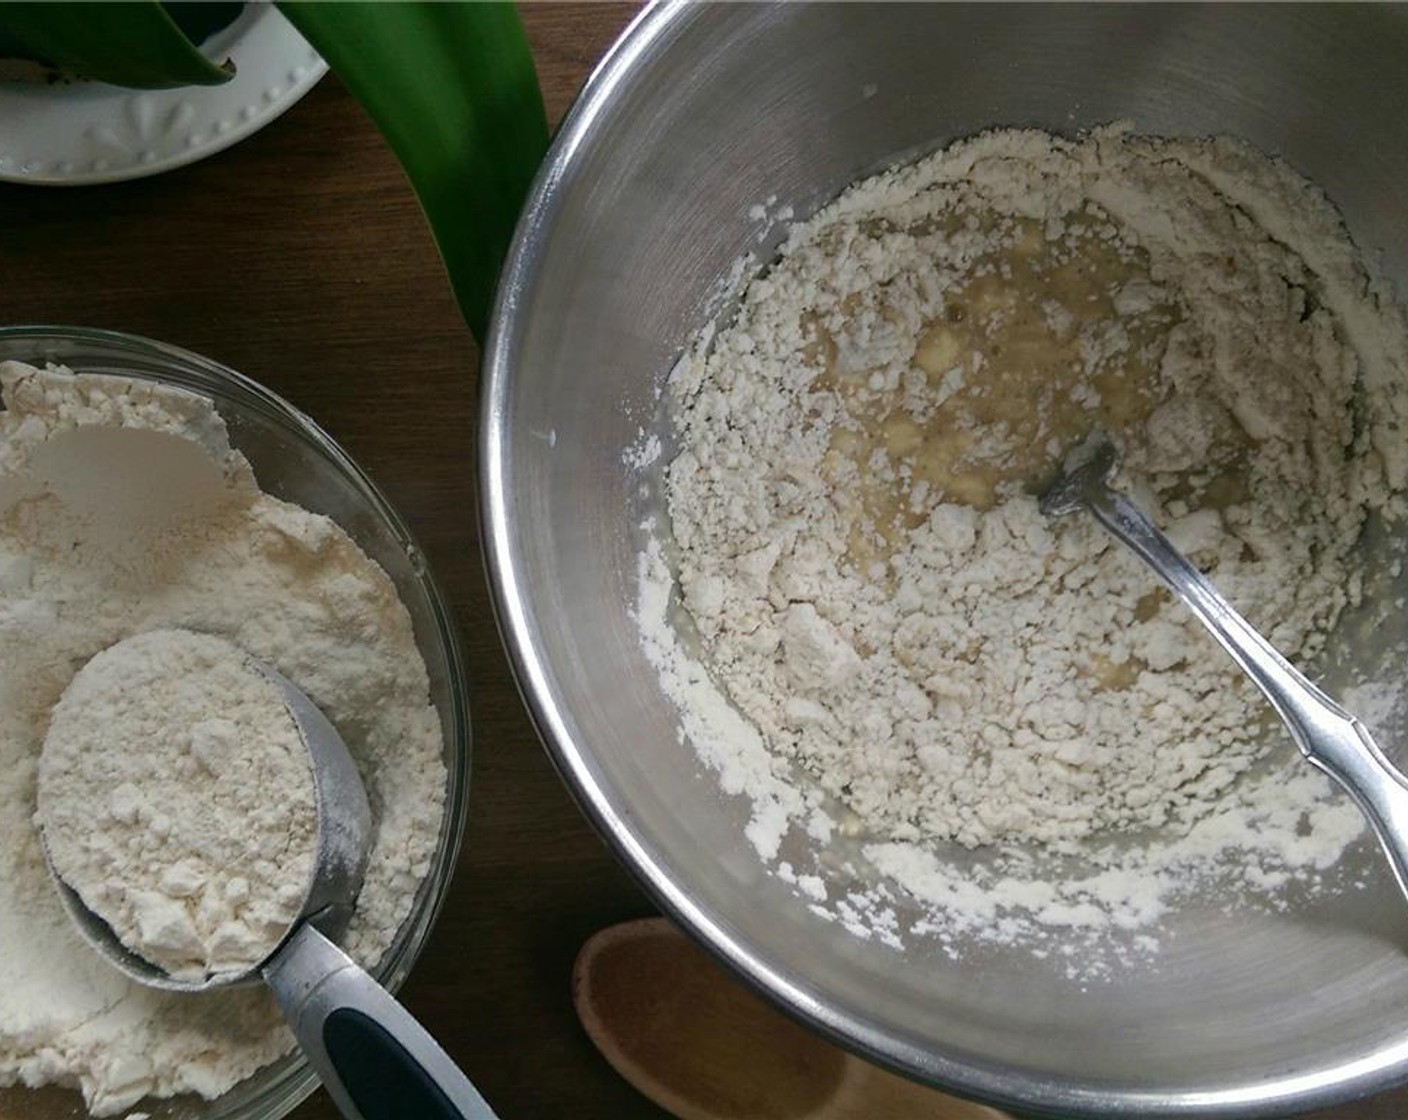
[853, 505]
[176, 798]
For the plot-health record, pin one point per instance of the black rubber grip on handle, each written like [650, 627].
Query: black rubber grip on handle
[383, 1080]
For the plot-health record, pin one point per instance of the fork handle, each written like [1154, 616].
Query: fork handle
[1331, 738]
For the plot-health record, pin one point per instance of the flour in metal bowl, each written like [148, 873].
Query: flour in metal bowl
[1017, 728]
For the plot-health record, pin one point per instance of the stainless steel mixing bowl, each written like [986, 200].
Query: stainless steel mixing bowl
[700, 113]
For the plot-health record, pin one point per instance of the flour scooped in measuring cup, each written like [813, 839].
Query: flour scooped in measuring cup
[176, 797]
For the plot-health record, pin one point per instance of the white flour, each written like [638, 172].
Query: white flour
[900, 647]
[124, 510]
[176, 798]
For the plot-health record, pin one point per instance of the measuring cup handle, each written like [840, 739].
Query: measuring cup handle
[374, 1059]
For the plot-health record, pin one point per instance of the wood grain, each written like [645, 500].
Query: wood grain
[300, 258]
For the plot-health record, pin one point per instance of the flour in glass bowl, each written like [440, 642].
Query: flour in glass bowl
[124, 510]
[1004, 715]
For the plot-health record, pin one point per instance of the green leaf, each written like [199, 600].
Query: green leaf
[453, 90]
[133, 43]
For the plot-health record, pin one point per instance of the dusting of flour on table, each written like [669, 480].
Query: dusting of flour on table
[1019, 727]
[123, 509]
[176, 798]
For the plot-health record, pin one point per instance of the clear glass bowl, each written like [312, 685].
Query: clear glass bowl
[297, 461]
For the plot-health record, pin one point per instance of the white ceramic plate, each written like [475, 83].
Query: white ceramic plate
[88, 132]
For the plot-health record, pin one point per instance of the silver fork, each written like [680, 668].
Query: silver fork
[1332, 739]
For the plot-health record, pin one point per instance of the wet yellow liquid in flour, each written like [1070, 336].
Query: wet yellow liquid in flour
[1032, 351]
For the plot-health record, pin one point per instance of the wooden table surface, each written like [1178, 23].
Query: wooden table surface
[300, 258]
